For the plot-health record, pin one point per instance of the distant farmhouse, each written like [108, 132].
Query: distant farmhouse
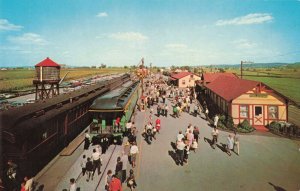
[184, 79]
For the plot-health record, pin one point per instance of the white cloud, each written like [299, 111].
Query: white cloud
[128, 36]
[244, 44]
[5, 25]
[253, 18]
[102, 14]
[28, 39]
[176, 46]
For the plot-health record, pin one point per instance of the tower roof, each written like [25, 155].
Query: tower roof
[48, 63]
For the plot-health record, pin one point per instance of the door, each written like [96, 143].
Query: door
[258, 115]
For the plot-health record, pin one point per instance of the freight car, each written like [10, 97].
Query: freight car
[117, 105]
[33, 134]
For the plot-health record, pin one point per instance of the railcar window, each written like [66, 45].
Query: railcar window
[44, 136]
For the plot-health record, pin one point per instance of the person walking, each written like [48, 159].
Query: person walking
[131, 183]
[157, 125]
[216, 119]
[179, 136]
[166, 110]
[28, 183]
[180, 151]
[190, 137]
[83, 165]
[196, 110]
[89, 169]
[96, 161]
[215, 134]
[124, 159]
[236, 143]
[128, 127]
[73, 186]
[119, 167]
[175, 111]
[108, 179]
[229, 145]
[186, 151]
[194, 146]
[158, 110]
[11, 175]
[87, 141]
[206, 113]
[115, 184]
[23, 186]
[196, 133]
[133, 153]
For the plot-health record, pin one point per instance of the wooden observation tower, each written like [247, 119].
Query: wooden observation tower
[47, 79]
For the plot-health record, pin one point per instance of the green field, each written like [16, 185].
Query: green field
[17, 79]
[285, 81]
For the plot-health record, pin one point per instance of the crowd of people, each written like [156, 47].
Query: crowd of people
[14, 181]
[185, 143]
[114, 179]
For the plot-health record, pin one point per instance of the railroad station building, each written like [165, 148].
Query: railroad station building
[247, 99]
[184, 79]
[207, 78]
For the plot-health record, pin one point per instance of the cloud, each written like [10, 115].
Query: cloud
[128, 36]
[253, 18]
[7, 26]
[102, 14]
[176, 46]
[28, 39]
[244, 44]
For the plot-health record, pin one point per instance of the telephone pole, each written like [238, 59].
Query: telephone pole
[244, 62]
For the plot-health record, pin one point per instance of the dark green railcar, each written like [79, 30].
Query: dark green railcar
[118, 103]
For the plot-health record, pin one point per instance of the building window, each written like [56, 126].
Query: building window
[273, 112]
[244, 111]
[183, 82]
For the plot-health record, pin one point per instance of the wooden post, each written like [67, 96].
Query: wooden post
[241, 69]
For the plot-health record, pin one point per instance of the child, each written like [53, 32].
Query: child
[194, 145]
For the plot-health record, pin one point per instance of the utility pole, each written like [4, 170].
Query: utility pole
[150, 68]
[244, 62]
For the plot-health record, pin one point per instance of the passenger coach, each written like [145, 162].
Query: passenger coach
[114, 109]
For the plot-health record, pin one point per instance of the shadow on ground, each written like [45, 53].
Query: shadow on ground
[277, 188]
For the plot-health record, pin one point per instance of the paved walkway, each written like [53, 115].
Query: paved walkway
[266, 162]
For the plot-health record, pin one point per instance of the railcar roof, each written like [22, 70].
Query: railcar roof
[114, 100]
[9, 118]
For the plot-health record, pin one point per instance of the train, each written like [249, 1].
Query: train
[34, 134]
[111, 111]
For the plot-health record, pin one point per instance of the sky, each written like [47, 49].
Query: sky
[163, 32]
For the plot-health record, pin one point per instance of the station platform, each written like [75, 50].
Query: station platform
[266, 162]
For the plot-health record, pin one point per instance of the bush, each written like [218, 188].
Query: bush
[229, 122]
[225, 122]
[245, 127]
[275, 126]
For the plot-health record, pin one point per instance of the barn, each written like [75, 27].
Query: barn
[247, 99]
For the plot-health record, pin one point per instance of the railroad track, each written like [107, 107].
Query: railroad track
[98, 183]
[104, 170]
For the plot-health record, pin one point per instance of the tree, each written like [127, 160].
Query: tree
[102, 65]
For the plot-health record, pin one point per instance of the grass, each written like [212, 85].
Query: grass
[287, 83]
[18, 79]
